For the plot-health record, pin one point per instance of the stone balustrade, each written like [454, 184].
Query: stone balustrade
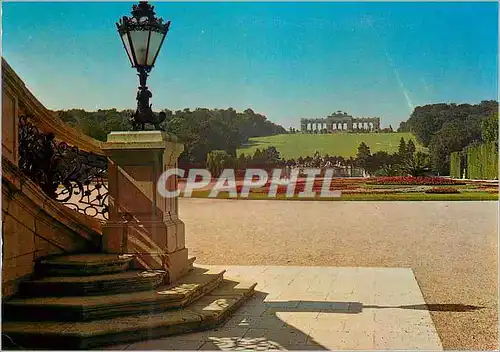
[45, 164]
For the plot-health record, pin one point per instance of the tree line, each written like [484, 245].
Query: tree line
[405, 162]
[442, 128]
[446, 128]
[200, 130]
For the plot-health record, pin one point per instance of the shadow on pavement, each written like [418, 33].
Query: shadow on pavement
[267, 331]
[434, 307]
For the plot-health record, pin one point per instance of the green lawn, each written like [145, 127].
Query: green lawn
[338, 144]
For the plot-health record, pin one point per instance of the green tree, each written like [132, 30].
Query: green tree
[452, 137]
[242, 162]
[218, 160]
[272, 155]
[426, 121]
[416, 165]
[200, 130]
[258, 156]
[403, 127]
[489, 128]
[410, 148]
[377, 161]
[363, 155]
[402, 150]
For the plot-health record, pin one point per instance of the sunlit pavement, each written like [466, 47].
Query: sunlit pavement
[318, 308]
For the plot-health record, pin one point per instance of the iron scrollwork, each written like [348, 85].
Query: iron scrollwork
[65, 173]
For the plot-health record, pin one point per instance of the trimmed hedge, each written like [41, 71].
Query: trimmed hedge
[455, 165]
[482, 161]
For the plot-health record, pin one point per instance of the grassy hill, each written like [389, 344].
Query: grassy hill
[340, 144]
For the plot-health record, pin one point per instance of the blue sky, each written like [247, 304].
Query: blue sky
[285, 60]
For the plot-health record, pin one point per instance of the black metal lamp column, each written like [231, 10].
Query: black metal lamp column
[142, 35]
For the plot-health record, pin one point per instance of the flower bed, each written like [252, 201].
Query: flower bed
[443, 190]
[300, 187]
[488, 187]
[417, 189]
[386, 185]
[409, 180]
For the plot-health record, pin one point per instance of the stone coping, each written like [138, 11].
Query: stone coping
[139, 140]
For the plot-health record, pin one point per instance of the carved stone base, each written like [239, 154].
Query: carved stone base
[142, 222]
[155, 244]
[176, 264]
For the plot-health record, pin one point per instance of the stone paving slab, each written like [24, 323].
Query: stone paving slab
[318, 308]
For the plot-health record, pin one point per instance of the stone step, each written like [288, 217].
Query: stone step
[186, 290]
[206, 313]
[84, 264]
[120, 282]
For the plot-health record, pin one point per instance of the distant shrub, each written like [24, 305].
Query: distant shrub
[218, 160]
[442, 190]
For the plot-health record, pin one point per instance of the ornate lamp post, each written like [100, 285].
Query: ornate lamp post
[142, 35]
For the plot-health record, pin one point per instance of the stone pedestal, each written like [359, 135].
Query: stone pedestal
[141, 221]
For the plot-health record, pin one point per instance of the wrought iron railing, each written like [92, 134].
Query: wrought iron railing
[65, 173]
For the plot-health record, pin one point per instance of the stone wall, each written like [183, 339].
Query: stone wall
[35, 226]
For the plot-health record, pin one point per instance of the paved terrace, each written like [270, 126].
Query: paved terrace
[452, 248]
[318, 308]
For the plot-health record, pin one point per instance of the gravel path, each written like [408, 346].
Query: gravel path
[452, 248]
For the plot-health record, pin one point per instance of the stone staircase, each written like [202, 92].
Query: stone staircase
[94, 300]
